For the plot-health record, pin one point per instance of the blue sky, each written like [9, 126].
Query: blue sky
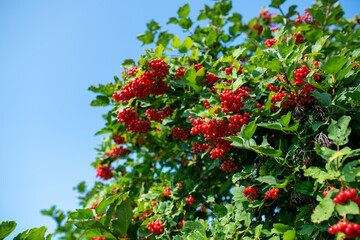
[50, 53]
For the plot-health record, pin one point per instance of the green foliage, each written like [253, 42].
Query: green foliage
[282, 117]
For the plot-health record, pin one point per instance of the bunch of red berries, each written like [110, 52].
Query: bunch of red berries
[198, 147]
[198, 67]
[117, 152]
[180, 133]
[343, 196]
[189, 200]
[273, 88]
[154, 203]
[160, 88]
[130, 72]
[351, 230]
[145, 215]
[300, 19]
[131, 119]
[211, 79]
[258, 105]
[252, 192]
[158, 116]
[181, 223]
[167, 192]
[159, 68]
[278, 97]
[207, 105]
[300, 75]
[299, 38]
[104, 172]
[156, 227]
[231, 101]
[273, 193]
[180, 73]
[118, 139]
[236, 122]
[326, 192]
[270, 42]
[229, 70]
[217, 153]
[354, 67]
[202, 208]
[228, 166]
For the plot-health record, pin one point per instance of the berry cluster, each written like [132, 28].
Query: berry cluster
[266, 16]
[217, 153]
[104, 172]
[211, 79]
[130, 71]
[252, 192]
[351, 230]
[180, 133]
[181, 223]
[273, 88]
[297, 100]
[298, 38]
[117, 152]
[131, 119]
[159, 68]
[228, 166]
[300, 75]
[154, 203]
[189, 200]
[306, 17]
[278, 97]
[273, 193]
[198, 67]
[326, 192]
[343, 196]
[200, 148]
[156, 227]
[270, 42]
[167, 192]
[202, 208]
[231, 101]
[323, 140]
[228, 71]
[274, 29]
[180, 73]
[118, 139]
[158, 116]
[236, 122]
[354, 67]
[145, 215]
[258, 105]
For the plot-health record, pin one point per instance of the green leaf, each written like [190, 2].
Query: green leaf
[350, 171]
[304, 188]
[333, 64]
[159, 50]
[289, 235]
[88, 224]
[190, 79]
[100, 101]
[323, 211]
[210, 39]
[349, 208]
[191, 226]
[247, 131]
[105, 203]
[122, 219]
[238, 52]
[281, 228]
[33, 234]
[184, 11]
[6, 228]
[128, 63]
[186, 45]
[268, 179]
[319, 44]
[97, 232]
[146, 38]
[339, 131]
[82, 214]
[285, 119]
[176, 42]
[324, 98]
[320, 174]
[237, 193]
[258, 229]
[271, 125]
[220, 211]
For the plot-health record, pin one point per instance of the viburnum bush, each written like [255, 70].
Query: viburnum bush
[211, 139]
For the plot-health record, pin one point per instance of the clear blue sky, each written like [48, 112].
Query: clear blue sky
[50, 53]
